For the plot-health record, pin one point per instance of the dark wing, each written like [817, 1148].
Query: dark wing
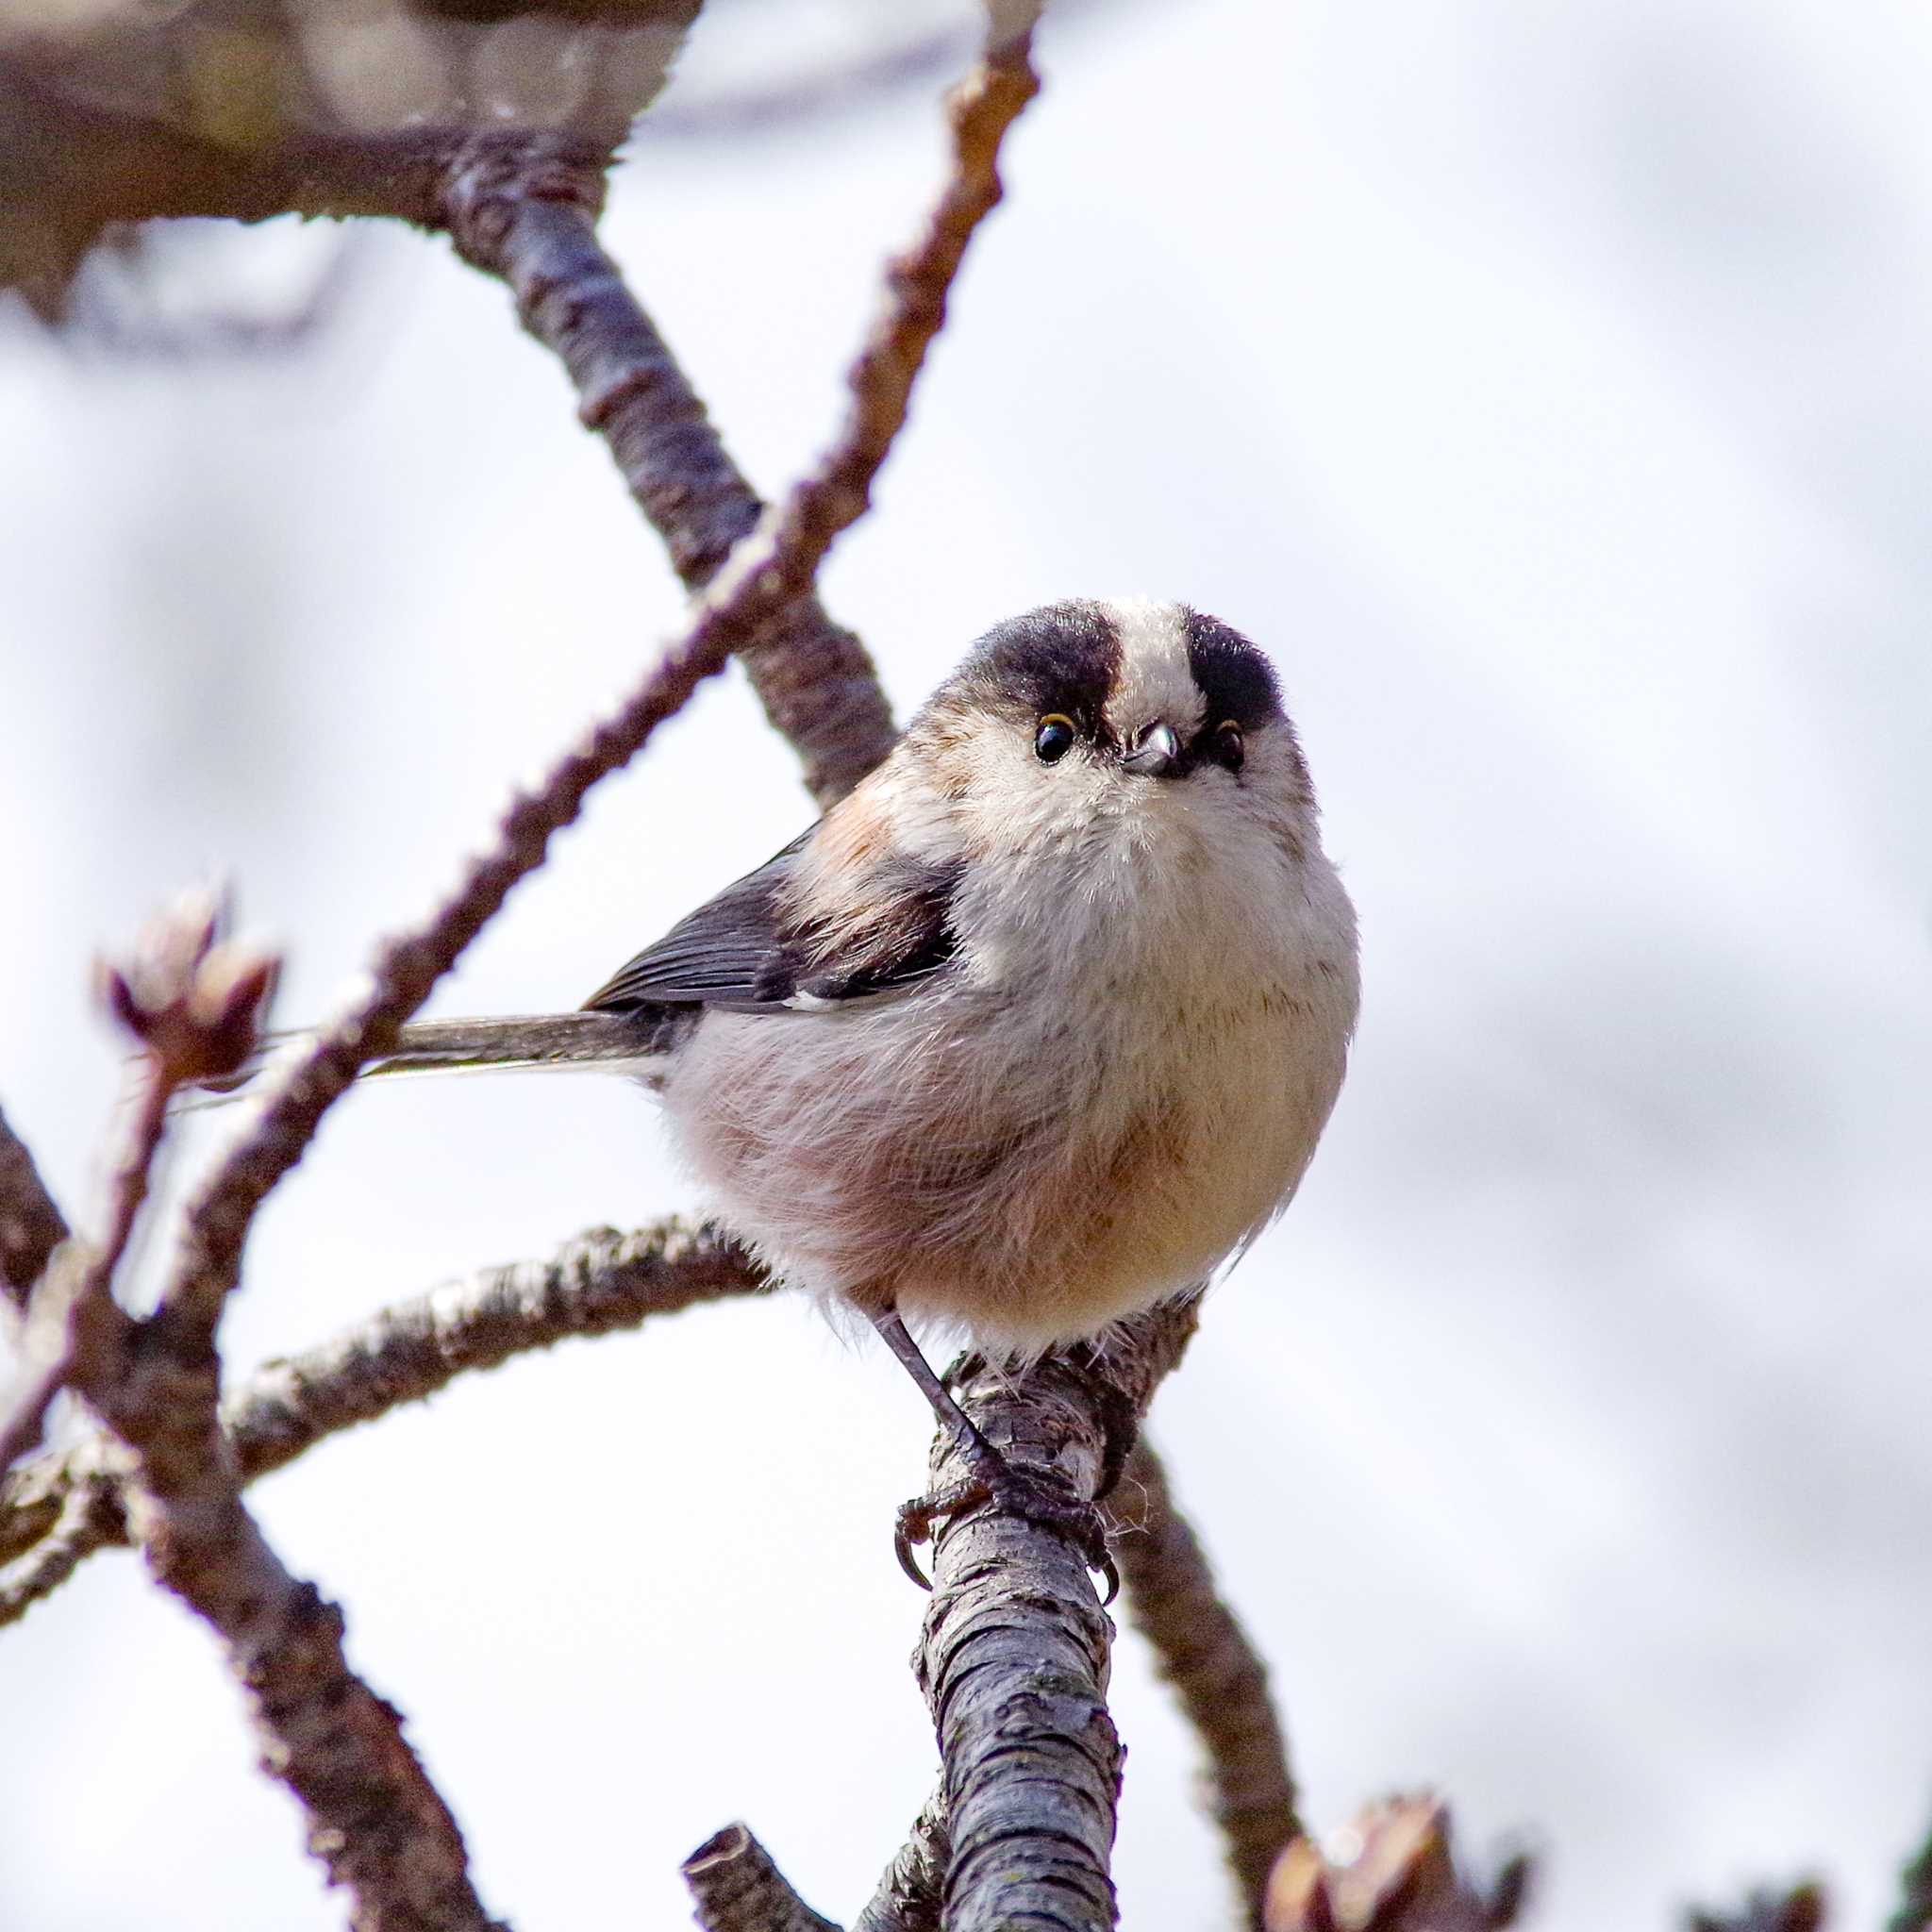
[748, 950]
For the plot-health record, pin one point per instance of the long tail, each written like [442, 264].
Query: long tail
[632, 1044]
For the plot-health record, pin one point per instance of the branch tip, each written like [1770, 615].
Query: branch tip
[737, 1888]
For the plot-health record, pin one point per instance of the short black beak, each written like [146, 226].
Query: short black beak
[1156, 755]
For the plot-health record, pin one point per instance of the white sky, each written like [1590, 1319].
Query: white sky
[1546, 386]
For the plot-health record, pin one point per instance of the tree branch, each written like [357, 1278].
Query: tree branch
[31, 1225]
[527, 211]
[1013, 1657]
[598, 1283]
[737, 1888]
[376, 1821]
[64, 1526]
[908, 1898]
[1201, 1649]
[74, 1326]
[766, 573]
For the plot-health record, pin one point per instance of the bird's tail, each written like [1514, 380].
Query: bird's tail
[632, 1044]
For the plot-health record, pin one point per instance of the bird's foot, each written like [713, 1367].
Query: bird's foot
[1033, 1496]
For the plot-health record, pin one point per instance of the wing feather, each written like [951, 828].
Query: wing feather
[750, 950]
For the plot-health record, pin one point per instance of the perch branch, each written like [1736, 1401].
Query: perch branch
[737, 1888]
[1201, 1649]
[31, 1225]
[1013, 1657]
[527, 211]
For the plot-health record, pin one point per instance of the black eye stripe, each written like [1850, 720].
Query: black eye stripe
[1237, 679]
[1063, 658]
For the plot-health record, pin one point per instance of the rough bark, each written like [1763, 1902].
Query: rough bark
[737, 1888]
[1014, 1655]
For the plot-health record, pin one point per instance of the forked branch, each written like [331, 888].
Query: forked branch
[525, 209]
[374, 1819]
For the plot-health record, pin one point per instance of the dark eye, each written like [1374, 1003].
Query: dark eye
[1055, 737]
[1228, 747]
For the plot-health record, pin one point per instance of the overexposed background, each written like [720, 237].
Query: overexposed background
[1547, 387]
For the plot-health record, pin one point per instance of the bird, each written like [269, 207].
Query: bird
[1037, 1026]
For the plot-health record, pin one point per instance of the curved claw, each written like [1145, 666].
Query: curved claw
[915, 1521]
[902, 1541]
[1112, 1571]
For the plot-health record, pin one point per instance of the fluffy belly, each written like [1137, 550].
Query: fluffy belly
[1029, 1195]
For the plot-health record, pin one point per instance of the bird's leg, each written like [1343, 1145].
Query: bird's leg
[993, 1477]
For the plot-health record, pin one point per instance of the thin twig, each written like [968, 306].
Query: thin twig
[31, 1225]
[911, 1887]
[1201, 1649]
[1013, 1657]
[737, 1888]
[525, 209]
[598, 1283]
[84, 1516]
[74, 1324]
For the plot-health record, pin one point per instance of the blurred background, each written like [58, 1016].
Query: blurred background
[1546, 386]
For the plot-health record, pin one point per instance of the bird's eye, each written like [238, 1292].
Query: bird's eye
[1055, 737]
[1228, 746]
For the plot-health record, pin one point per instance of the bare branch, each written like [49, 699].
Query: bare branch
[377, 1823]
[1201, 1649]
[1013, 1658]
[375, 1819]
[193, 1002]
[74, 1326]
[910, 1891]
[31, 1225]
[527, 211]
[596, 1284]
[766, 573]
[69, 1524]
[738, 1889]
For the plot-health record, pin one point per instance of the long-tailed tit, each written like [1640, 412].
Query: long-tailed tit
[1037, 1026]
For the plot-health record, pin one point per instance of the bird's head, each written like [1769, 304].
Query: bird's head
[1122, 713]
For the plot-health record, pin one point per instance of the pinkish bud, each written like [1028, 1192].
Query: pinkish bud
[196, 1000]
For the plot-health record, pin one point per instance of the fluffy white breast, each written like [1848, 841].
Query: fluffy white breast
[1119, 1079]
